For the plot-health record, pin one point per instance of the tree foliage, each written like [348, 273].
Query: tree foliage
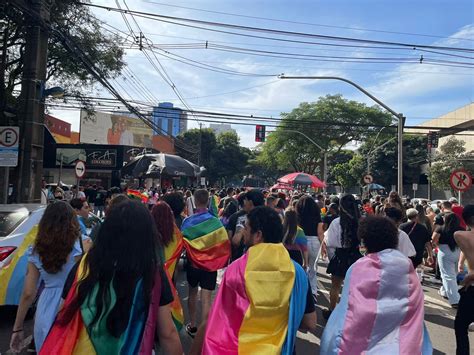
[332, 122]
[223, 157]
[63, 69]
[450, 156]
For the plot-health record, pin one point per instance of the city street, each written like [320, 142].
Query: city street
[439, 319]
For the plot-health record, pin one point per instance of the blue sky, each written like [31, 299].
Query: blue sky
[421, 92]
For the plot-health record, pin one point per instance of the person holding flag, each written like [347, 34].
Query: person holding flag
[172, 241]
[208, 250]
[264, 297]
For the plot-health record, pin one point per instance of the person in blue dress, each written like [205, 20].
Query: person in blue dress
[55, 251]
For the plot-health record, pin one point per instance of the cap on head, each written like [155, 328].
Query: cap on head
[453, 200]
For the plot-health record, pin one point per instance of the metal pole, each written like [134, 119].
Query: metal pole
[459, 197]
[5, 185]
[325, 170]
[400, 155]
[399, 117]
[200, 144]
[429, 177]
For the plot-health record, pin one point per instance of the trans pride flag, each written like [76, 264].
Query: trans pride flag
[77, 338]
[259, 305]
[172, 252]
[13, 276]
[206, 241]
[381, 310]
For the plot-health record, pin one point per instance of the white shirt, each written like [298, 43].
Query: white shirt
[405, 246]
[190, 206]
[332, 237]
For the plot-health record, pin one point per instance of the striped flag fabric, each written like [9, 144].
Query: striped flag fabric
[206, 241]
[381, 310]
[248, 316]
[136, 194]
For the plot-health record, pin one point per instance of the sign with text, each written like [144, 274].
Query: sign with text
[9, 142]
[93, 158]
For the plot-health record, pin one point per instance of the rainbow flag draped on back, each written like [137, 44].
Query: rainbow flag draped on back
[259, 305]
[381, 309]
[300, 242]
[172, 252]
[137, 195]
[78, 338]
[12, 276]
[206, 241]
[213, 205]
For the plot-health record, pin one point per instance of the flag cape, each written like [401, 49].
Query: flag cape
[135, 194]
[248, 315]
[172, 252]
[13, 276]
[206, 241]
[213, 205]
[381, 310]
[78, 338]
[300, 243]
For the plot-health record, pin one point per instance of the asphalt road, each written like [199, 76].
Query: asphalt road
[439, 319]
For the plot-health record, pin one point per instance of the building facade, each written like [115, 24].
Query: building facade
[170, 120]
[219, 128]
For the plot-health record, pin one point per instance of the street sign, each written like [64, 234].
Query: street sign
[415, 187]
[368, 179]
[80, 169]
[9, 142]
[460, 180]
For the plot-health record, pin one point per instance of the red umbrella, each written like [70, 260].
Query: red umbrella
[302, 179]
[281, 186]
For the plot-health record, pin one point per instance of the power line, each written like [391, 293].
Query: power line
[281, 32]
[305, 23]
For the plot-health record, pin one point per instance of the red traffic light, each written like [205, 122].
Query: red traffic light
[259, 133]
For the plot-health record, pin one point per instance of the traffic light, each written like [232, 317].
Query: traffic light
[433, 138]
[259, 133]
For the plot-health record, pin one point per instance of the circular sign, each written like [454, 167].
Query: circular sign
[80, 169]
[368, 179]
[8, 137]
[460, 180]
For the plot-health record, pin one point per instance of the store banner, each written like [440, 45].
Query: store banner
[94, 158]
[114, 129]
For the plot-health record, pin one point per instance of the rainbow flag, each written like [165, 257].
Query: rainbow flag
[206, 241]
[381, 310]
[248, 316]
[135, 194]
[12, 276]
[172, 252]
[78, 338]
[213, 205]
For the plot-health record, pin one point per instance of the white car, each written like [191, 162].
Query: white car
[18, 229]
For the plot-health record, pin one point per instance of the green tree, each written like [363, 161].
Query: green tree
[332, 122]
[229, 159]
[193, 139]
[451, 155]
[63, 69]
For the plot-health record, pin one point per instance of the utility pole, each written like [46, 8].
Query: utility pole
[200, 143]
[31, 113]
[4, 171]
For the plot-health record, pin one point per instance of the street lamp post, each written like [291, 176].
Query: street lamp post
[325, 155]
[398, 116]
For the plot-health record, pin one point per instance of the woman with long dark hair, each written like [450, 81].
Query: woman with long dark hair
[309, 219]
[294, 239]
[448, 257]
[342, 235]
[119, 297]
[52, 256]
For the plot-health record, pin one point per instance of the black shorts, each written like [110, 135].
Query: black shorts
[205, 279]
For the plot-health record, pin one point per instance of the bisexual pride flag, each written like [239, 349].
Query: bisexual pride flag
[381, 310]
[206, 241]
[259, 305]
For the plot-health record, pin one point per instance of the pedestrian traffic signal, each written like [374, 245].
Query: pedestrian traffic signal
[259, 133]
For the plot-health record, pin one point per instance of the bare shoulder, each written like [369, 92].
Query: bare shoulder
[464, 237]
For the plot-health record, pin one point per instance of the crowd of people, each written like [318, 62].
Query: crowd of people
[112, 289]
